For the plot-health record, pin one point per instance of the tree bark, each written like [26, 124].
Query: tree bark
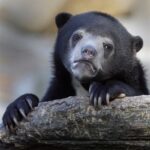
[72, 124]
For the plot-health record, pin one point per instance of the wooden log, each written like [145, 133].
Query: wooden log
[72, 124]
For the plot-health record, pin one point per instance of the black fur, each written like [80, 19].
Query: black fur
[61, 86]
[125, 74]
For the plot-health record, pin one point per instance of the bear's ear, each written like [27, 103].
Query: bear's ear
[137, 43]
[61, 19]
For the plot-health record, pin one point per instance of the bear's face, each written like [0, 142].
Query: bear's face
[89, 53]
[93, 45]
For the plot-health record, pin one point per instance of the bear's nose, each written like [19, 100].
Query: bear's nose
[88, 52]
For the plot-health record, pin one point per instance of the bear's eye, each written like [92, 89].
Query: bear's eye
[108, 46]
[76, 37]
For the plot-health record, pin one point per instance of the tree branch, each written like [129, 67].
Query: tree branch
[72, 123]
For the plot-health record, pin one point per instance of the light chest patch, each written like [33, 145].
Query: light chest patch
[80, 91]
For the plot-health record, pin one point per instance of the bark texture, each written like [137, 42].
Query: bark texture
[72, 124]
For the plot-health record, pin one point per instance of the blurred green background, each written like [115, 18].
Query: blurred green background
[27, 35]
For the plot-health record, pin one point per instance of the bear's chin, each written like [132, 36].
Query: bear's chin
[83, 71]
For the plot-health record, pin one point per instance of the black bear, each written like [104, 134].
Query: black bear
[94, 56]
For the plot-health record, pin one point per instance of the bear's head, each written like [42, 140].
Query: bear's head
[94, 45]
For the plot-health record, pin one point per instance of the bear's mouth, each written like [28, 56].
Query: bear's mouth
[90, 66]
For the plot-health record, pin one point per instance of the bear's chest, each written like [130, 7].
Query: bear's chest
[79, 89]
